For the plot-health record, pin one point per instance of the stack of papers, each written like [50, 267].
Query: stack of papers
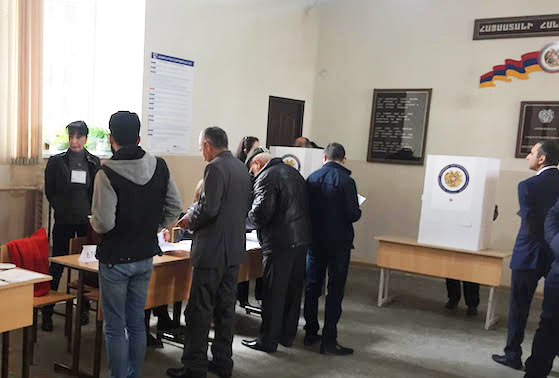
[19, 275]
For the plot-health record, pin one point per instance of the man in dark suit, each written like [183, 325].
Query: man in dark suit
[218, 246]
[334, 209]
[546, 341]
[531, 257]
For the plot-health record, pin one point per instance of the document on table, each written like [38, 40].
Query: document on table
[19, 275]
[361, 199]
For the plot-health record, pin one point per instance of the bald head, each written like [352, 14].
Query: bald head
[259, 161]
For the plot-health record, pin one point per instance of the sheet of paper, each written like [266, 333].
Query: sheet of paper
[168, 247]
[19, 275]
[88, 253]
[3, 283]
[79, 177]
[361, 199]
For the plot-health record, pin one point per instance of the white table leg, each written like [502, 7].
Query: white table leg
[490, 318]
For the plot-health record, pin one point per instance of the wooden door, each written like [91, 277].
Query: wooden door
[285, 121]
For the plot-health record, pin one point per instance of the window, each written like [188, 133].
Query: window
[92, 67]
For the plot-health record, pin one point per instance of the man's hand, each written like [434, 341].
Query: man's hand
[183, 222]
[166, 234]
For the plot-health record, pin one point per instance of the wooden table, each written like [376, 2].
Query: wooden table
[407, 255]
[170, 283]
[16, 311]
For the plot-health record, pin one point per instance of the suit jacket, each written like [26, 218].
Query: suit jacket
[218, 218]
[536, 196]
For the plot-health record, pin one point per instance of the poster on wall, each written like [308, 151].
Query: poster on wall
[170, 104]
[399, 126]
[516, 27]
[539, 121]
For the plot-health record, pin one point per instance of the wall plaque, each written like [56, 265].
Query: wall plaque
[399, 125]
[516, 27]
[539, 121]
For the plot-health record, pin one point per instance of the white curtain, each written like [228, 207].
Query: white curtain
[8, 79]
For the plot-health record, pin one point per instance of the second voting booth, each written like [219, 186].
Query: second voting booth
[458, 201]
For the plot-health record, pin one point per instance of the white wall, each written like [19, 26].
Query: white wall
[423, 44]
[243, 52]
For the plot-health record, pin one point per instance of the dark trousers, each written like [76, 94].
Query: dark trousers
[546, 341]
[212, 296]
[471, 292]
[320, 258]
[284, 272]
[243, 289]
[61, 235]
[523, 286]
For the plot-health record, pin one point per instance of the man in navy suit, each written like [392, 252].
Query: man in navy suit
[546, 341]
[531, 257]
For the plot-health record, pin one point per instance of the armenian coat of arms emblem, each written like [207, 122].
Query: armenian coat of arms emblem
[453, 178]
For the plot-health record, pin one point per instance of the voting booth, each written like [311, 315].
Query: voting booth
[458, 201]
[305, 160]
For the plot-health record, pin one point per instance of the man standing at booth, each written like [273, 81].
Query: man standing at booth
[218, 247]
[280, 213]
[334, 208]
[531, 256]
[134, 197]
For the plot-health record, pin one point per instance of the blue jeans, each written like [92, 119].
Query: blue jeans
[124, 289]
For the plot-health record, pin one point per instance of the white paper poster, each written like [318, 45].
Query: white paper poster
[170, 104]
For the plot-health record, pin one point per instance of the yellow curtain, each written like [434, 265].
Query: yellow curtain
[30, 82]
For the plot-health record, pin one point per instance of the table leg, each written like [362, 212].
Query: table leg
[27, 339]
[383, 297]
[490, 318]
[75, 368]
[5, 353]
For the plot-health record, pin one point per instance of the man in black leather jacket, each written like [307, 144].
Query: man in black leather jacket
[280, 213]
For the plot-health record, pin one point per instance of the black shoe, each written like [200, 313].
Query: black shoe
[471, 311]
[504, 360]
[84, 318]
[153, 342]
[257, 345]
[243, 304]
[47, 323]
[311, 339]
[335, 349]
[217, 370]
[451, 305]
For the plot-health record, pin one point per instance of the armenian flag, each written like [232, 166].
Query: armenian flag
[519, 69]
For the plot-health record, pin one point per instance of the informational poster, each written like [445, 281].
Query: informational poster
[170, 104]
[399, 125]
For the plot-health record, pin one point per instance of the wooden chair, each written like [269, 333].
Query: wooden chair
[51, 298]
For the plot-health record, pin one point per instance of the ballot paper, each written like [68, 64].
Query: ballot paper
[19, 275]
[165, 246]
[361, 199]
[88, 254]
